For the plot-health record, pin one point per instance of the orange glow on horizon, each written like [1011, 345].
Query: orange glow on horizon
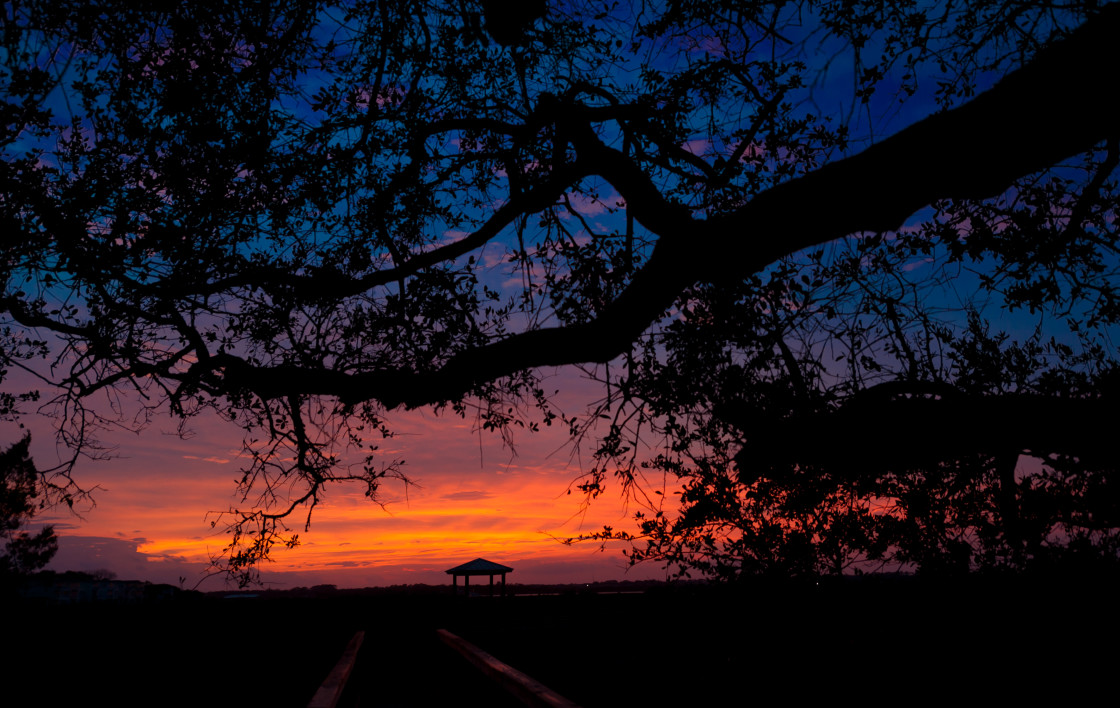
[472, 498]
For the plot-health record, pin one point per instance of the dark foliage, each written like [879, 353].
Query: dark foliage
[24, 552]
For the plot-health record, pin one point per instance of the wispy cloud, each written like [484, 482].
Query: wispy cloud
[467, 496]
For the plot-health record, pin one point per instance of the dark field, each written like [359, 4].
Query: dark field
[878, 640]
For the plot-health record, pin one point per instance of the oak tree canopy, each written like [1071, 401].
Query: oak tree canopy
[841, 267]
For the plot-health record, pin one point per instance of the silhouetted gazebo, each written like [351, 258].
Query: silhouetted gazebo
[479, 566]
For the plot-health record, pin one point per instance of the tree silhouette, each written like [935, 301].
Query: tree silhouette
[23, 552]
[305, 216]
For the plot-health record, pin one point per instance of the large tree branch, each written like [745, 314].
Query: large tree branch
[1047, 111]
[1053, 108]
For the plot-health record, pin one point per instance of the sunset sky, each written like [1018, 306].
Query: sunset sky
[473, 498]
[158, 495]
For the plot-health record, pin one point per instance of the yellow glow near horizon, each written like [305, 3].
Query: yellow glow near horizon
[474, 497]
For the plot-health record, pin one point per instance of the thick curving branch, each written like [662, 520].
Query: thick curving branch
[1051, 109]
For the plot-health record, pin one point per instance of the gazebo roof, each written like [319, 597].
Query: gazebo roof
[479, 566]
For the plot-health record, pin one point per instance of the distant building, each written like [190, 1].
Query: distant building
[479, 566]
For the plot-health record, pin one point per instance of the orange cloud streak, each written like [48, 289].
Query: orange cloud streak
[473, 498]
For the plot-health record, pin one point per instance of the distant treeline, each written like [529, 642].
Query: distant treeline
[74, 587]
[421, 589]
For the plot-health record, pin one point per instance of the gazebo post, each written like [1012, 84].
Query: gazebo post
[491, 585]
[454, 585]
